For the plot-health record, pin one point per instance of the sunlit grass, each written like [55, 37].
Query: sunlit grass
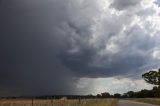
[65, 102]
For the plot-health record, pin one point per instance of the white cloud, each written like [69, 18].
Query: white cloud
[156, 53]
[113, 85]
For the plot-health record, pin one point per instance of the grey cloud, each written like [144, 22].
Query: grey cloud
[124, 4]
[157, 2]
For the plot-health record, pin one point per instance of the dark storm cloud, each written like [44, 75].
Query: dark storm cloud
[157, 2]
[124, 4]
[33, 36]
[29, 48]
[134, 51]
[46, 46]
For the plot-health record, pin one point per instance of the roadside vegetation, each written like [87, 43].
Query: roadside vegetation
[61, 102]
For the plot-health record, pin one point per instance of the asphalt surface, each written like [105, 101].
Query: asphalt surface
[132, 103]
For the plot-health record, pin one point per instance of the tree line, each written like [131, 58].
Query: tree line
[151, 77]
[154, 93]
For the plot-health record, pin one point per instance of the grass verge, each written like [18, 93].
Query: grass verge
[84, 102]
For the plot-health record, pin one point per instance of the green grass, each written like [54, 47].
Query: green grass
[65, 102]
[155, 101]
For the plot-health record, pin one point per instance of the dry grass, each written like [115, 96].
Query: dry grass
[65, 102]
[155, 101]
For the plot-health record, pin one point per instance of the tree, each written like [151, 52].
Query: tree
[98, 96]
[156, 91]
[152, 77]
[105, 95]
[144, 93]
[130, 94]
[117, 95]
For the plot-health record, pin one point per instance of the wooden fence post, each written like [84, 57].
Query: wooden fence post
[79, 99]
[52, 101]
[32, 102]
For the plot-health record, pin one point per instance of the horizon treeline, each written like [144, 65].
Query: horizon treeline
[153, 93]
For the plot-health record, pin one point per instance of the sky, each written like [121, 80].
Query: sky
[77, 46]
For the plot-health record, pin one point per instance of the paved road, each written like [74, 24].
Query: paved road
[132, 103]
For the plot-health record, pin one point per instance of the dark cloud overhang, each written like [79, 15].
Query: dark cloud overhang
[124, 4]
[157, 2]
[121, 64]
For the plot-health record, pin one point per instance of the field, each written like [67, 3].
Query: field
[155, 101]
[61, 102]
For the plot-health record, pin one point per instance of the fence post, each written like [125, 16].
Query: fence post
[79, 99]
[52, 101]
[32, 102]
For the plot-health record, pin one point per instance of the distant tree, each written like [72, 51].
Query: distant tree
[125, 95]
[90, 96]
[105, 95]
[98, 96]
[152, 77]
[156, 91]
[144, 93]
[130, 94]
[117, 95]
